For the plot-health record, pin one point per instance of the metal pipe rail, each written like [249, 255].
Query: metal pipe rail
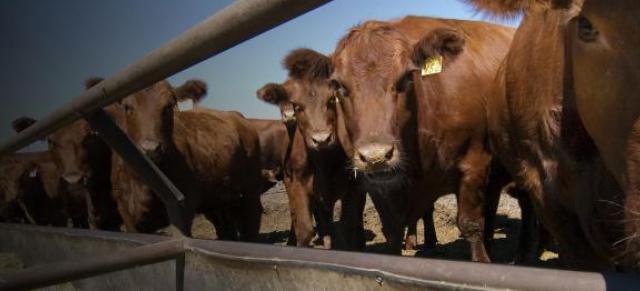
[230, 26]
[67, 271]
[245, 266]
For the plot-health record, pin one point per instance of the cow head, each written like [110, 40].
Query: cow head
[309, 94]
[605, 64]
[148, 113]
[372, 80]
[68, 145]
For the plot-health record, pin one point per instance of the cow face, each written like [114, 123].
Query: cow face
[605, 65]
[148, 114]
[309, 93]
[69, 152]
[373, 87]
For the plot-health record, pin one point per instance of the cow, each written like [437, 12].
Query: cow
[83, 161]
[212, 156]
[414, 135]
[315, 173]
[566, 123]
[29, 190]
[274, 145]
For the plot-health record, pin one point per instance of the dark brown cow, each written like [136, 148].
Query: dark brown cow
[315, 168]
[274, 144]
[29, 190]
[84, 164]
[212, 156]
[385, 102]
[566, 123]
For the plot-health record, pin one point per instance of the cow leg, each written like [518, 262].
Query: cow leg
[323, 219]
[351, 219]
[392, 216]
[529, 239]
[252, 215]
[92, 219]
[430, 237]
[301, 218]
[292, 241]
[498, 179]
[411, 240]
[471, 201]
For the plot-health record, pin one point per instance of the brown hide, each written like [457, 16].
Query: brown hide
[212, 156]
[315, 168]
[385, 102]
[566, 122]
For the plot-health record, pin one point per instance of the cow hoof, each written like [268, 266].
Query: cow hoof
[410, 243]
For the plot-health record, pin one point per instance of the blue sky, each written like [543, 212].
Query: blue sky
[49, 47]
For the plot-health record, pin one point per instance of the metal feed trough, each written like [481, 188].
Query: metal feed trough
[95, 260]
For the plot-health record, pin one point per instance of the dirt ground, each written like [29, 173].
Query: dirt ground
[276, 222]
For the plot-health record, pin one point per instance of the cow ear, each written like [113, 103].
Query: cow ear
[444, 42]
[22, 123]
[195, 90]
[305, 63]
[272, 93]
[88, 83]
[512, 8]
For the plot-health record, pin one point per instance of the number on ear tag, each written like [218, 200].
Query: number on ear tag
[432, 66]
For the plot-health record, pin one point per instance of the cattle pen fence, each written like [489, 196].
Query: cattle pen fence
[124, 261]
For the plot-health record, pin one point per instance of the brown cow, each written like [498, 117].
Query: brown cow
[274, 145]
[29, 190]
[315, 169]
[212, 156]
[566, 123]
[84, 164]
[385, 101]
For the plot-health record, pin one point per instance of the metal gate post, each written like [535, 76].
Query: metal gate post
[168, 193]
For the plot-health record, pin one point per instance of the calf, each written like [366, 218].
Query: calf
[315, 167]
[212, 156]
[567, 119]
[412, 136]
[83, 161]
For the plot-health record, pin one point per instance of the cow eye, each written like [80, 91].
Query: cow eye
[128, 109]
[340, 91]
[298, 108]
[586, 31]
[404, 82]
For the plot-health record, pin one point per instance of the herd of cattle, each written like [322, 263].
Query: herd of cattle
[406, 111]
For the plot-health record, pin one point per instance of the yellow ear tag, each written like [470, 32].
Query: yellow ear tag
[432, 66]
[186, 105]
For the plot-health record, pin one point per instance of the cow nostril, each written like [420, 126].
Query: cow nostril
[321, 138]
[389, 154]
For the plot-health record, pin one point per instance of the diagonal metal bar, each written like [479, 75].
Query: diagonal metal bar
[232, 25]
[166, 191]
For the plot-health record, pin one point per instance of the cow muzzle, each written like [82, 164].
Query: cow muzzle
[288, 116]
[73, 178]
[376, 159]
[321, 139]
